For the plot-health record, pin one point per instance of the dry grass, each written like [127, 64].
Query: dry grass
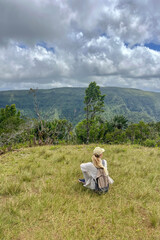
[40, 197]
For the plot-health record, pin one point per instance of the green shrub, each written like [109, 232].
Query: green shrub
[81, 132]
[158, 143]
[149, 143]
[118, 136]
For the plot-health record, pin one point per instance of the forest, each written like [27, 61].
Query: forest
[136, 105]
[17, 130]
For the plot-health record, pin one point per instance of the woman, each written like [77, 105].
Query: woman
[89, 169]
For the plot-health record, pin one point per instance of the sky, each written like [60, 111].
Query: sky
[69, 43]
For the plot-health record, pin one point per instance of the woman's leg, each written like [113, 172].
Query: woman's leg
[82, 180]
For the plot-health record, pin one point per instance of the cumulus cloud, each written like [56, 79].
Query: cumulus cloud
[31, 21]
[70, 43]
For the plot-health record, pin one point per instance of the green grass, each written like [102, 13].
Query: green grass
[41, 199]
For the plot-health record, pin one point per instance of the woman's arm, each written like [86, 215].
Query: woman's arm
[105, 163]
[110, 179]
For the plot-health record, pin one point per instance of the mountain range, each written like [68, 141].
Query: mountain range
[134, 104]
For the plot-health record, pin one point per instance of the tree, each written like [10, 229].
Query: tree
[53, 132]
[81, 132]
[10, 124]
[9, 119]
[36, 108]
[94, 103]
[120, 122]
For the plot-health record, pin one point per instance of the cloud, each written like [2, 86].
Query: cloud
[70, 43]
[107, 60]
[32, 21]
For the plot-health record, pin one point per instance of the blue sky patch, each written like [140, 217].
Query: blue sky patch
[153, 46]
[22, 45]
[44, 45]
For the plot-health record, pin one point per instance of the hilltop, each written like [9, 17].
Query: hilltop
[67, 103]
[40, 196]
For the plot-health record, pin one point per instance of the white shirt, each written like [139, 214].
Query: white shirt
[90, 173]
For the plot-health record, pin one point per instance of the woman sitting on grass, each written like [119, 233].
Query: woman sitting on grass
[89, 169]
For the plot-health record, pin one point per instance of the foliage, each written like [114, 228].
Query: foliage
[135, 105]
[94, 103]
[53, 131]
[94, 100]
[116, 137]
[97, 132]
[18, 136]
[9, 119]
[108, 132]
[81, 132]
[15, 130]
[10, 125]
[140, 132]
[120, 122]
[149, 143]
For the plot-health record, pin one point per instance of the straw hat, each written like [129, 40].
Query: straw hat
[98, 151]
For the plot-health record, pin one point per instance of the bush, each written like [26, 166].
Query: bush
[81, 132]
[149, 143]
[118, 136]
[158, 143]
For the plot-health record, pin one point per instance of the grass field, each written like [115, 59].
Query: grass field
[40, 197]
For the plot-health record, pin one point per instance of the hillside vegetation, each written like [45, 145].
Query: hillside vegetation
[41, 198]
[135, 105]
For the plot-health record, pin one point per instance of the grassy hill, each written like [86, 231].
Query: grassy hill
[67, 103]
[40, 197]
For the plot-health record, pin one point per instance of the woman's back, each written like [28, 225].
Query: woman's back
[90, 173]
[89, 169]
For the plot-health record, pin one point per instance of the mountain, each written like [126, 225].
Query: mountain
[67, 103]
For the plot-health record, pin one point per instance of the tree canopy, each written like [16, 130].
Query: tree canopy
[94, 103]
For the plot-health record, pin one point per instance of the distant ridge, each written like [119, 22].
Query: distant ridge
[67, 103]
